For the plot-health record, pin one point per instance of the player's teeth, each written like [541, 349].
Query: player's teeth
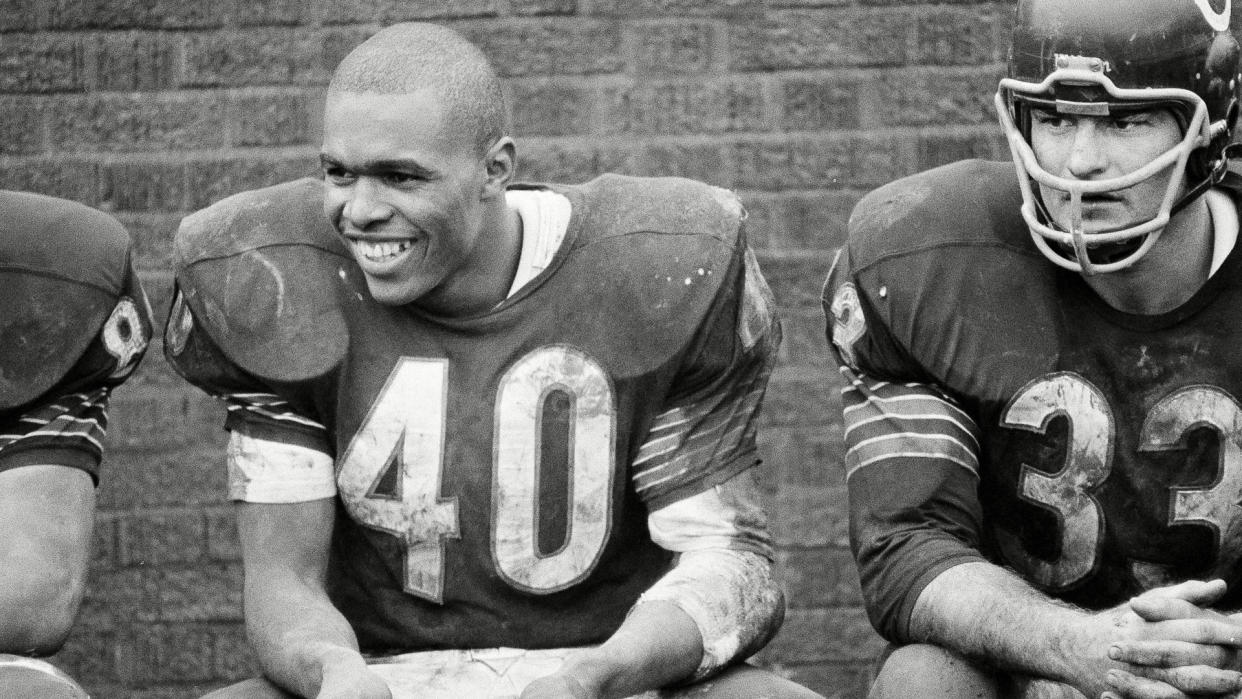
[380, 250]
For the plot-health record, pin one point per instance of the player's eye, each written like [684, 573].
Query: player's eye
[402, 179]
[337, 175]
[1049, 120]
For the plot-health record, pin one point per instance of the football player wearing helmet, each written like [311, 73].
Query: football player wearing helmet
[486, 439]
[74, 325]
[1043, 355]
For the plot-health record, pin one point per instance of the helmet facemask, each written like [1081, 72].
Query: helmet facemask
[1065, 243]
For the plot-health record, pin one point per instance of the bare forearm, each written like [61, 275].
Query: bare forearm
[658, 644]
[986, 612]
[296, 632]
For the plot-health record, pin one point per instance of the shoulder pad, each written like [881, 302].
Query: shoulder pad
[963, 202]
[262, 272]
[63, 267]
[621, 204]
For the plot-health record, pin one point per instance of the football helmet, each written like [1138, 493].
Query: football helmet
[1110, 56]
[29, 677]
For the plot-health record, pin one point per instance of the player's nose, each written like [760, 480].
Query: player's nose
[365, 205]
[1087, 156]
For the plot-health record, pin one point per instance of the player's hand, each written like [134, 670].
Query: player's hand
[352, 683]
[557, 686]
[1176, 647]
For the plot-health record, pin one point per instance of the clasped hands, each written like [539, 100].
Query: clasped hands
[1173, 645]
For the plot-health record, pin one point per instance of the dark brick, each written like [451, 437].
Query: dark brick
[830, 38]
[814, 635]
[925, 98]
[543, 7]
[180, 477]
[273, 56]
[697, 160]
[222, 541]
[797, 280]
[275, 120]
[139, 123]
[673, 47]
[47, 63]
[803, 344]
[961, 36]
[65, 177]
[819, 577]
[550, 161]
[272, 12]
[849, 680]
[551, 108]
[816, 162]
[551, 47]
[104, 542]
[21, 126]
[638, 8]
[402, 10]
[150, 654]
[799, 220]
[809, 456]
[938, 149]
[234, 657]
[23, 15]
[142, 186]
[206, 592]
[88, 656]
[678, 107]
[152, 235]
[162, 538]
[212, 180]
[353, 11]
[822, 103]
[806, 516]
[134, 61]
[150, 14]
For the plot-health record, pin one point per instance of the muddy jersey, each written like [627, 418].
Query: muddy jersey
[493, 472]
[996, 407]
[74, 325]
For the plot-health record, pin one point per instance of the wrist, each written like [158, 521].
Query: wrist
[595, 670]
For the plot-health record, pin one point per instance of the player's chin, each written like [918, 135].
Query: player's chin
[394, 292]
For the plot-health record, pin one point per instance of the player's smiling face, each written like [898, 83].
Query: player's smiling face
[1086, 147]
[404, 188]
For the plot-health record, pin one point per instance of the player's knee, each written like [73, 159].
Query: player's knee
[925, 670]
[40, 606]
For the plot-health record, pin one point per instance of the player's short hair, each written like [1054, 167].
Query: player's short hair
[416, 55]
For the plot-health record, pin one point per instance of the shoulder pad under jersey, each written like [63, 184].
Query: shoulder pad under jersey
[620, 204]
[970, 201]
[63, 268]
[261, 271]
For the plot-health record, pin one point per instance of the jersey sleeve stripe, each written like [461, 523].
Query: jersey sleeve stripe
[273, 409]
[894, 421]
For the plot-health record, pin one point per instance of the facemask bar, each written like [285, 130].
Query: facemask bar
[1198, 133]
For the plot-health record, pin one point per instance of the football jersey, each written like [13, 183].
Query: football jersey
[494, 472]
[75, 324]
[996, 407]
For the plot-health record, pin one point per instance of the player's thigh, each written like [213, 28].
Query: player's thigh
[743, 682]
[923, 670]
[257, 688]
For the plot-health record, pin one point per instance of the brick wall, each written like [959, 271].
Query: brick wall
[151, 109]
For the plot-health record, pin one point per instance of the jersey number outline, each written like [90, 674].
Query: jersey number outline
[1088, 462]
[405, 429]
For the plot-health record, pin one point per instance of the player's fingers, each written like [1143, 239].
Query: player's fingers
[1132, 686]
[1221, 631]
[1193, 679]
[1171, 654]
[1199, 592]
[1165, 608]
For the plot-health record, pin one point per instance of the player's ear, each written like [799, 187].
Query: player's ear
[500, 162]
